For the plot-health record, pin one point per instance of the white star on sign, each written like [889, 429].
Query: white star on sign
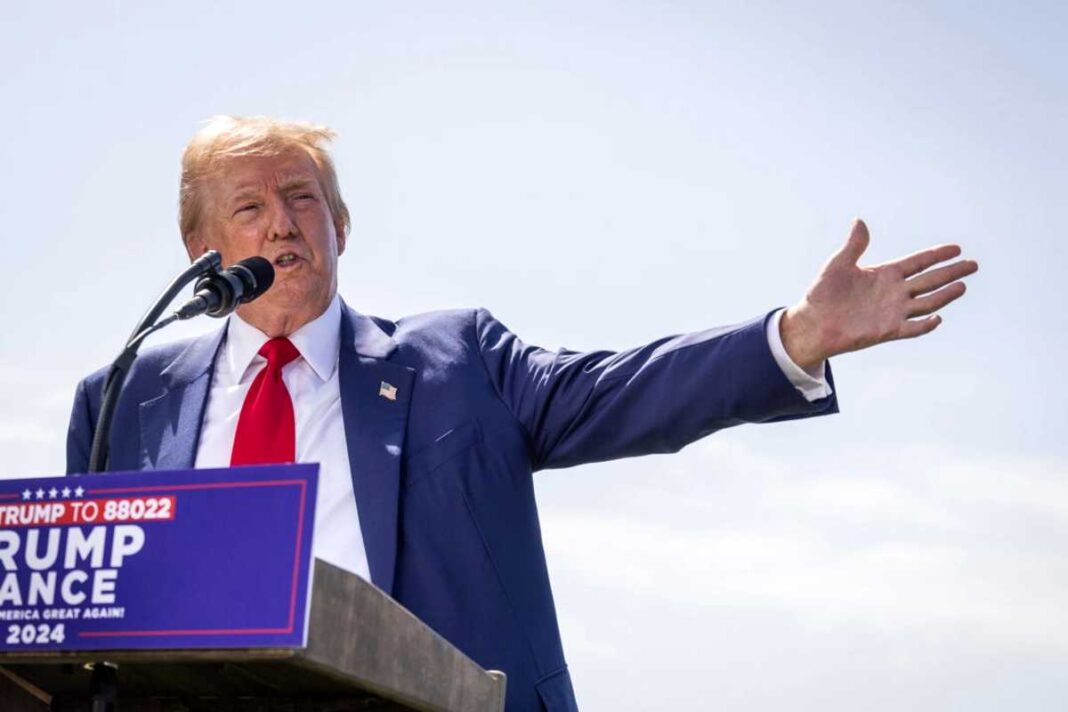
[66, 491]
[78, 491]
[40, 494]
[26, 494]
[52, 493]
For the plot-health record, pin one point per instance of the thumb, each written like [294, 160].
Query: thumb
[855, 245]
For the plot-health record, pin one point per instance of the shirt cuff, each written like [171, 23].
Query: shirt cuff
[812, 385]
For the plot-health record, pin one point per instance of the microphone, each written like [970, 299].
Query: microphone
[222, 292]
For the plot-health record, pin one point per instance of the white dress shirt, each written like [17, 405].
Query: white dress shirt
[312, 382]
[813, 386]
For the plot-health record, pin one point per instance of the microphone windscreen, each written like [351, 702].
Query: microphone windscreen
[258, 278]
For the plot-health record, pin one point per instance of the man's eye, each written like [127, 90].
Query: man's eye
[304, 196]
[247, 207]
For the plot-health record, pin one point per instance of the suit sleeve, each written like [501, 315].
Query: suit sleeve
[83, 417]
[79, 433]
[588, 407]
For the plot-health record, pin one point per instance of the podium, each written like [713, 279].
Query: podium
[364, 652]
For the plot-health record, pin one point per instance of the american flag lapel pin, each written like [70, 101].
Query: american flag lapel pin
[387, 391]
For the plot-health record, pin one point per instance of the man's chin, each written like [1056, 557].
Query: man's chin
[288, 295]
[290, 307]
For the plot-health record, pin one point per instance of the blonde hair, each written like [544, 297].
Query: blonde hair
[223, 138]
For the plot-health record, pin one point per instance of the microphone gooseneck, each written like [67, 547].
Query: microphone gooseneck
[217, 293]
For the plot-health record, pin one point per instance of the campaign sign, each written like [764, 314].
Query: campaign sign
[164, 560]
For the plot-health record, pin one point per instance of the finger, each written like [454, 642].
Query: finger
[919, 327]
[936, 300]
[855, 245]
[930, 281]
[919, 261]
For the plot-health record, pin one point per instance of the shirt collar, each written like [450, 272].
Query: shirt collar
[318, 342]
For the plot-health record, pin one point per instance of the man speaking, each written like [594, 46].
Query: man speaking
[428, 429]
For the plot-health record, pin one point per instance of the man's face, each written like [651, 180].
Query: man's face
[274, 206]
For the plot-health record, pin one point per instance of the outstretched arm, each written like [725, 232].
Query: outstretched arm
[850, 307]
[593, 406]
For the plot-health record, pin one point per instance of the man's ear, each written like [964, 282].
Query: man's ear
[342, 238]
[194, 246]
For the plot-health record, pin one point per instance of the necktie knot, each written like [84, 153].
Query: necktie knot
[278, 352]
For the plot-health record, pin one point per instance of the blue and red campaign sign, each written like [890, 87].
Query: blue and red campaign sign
[163, 560]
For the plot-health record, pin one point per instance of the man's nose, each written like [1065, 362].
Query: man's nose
[282, 225]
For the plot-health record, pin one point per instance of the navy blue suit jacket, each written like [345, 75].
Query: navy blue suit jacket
[442, 474]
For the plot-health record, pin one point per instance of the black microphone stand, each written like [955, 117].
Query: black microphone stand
[98, 456]
[104, 685]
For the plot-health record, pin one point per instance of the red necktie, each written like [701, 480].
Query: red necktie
[266, 429]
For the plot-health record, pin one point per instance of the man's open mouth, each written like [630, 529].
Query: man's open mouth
[285, 260]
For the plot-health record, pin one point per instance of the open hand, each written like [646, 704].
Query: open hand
[850, 307]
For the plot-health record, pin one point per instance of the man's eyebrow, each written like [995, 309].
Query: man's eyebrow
[253, 190]
[297, 182]
[242, 192]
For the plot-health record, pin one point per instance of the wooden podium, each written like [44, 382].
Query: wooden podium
[364, 652]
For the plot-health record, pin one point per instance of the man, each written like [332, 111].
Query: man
[428, 429]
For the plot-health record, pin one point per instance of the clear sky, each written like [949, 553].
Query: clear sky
[599, 174]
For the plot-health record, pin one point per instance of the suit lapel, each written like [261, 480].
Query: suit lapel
[171, 422]
[375, 424]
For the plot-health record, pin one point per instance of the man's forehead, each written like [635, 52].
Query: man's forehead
[248, 172]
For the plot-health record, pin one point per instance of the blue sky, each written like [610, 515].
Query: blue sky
[600, 174]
